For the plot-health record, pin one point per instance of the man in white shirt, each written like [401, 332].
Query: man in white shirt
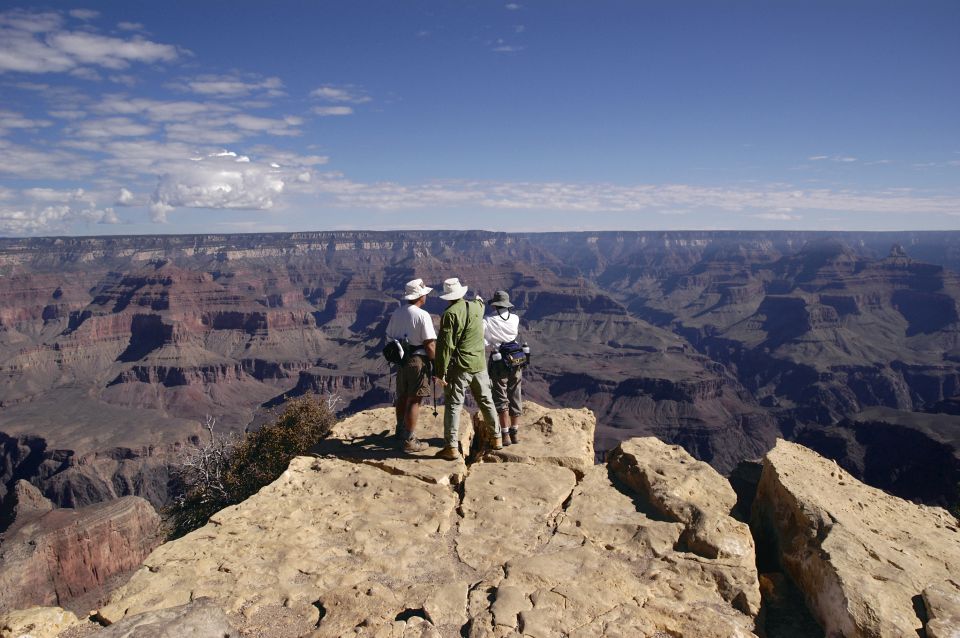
[414, 325]
[502, 326]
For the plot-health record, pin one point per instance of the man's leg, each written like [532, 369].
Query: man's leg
[411, 415]
[514, 385]
[480, 388]
[400, 406]
[453, 394]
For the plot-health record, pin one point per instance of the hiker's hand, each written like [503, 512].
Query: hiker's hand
[442, 383]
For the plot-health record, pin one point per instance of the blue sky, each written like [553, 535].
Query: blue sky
[203, 116]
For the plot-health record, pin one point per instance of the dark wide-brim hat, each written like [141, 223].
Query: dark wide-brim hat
[501, 300]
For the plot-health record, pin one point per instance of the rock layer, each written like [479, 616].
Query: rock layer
[865, 560]
[513, 548]
[61, 554]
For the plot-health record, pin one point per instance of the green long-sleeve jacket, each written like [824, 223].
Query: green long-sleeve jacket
[459, 350]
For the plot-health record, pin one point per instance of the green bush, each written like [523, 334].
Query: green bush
[227, 470]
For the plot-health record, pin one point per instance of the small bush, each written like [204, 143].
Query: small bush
[227, 469]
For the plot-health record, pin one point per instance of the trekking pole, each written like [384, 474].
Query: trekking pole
[434, 379]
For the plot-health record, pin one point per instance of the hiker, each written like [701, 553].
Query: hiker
[460, 364]
[413, 327]
[507, 359]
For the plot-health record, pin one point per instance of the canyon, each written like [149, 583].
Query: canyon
[113, 350]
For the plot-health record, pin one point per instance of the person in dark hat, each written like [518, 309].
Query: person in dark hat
[501, 328]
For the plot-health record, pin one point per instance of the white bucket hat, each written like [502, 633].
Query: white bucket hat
[415, 289]
[453, 289]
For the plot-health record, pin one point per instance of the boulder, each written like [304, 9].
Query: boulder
[201, 618]
[37, 622]
[386, 547]
[942, 604]
[865, 561]
[559, 437]
[65, 553]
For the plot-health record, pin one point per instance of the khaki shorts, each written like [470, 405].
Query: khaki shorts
[506, 386]
[413, 378]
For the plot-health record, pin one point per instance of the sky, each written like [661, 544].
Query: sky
[216, 116]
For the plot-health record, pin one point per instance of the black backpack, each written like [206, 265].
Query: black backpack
[513, 356]
[397, 351]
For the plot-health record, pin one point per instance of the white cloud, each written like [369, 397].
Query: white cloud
[775, 216]
[49, 219]
[12, 120]
[273, 126]
[817, 158]
[42, 163]
[32, 42]
[111, 127]
[507, 48]
[130, 26]
[834, 158]
[342, 94]
[84, 14]
[230, 86]
[124, 197]
[52, 195]
[512, 6]
[588, 198]
[221, 180]
[326, 111]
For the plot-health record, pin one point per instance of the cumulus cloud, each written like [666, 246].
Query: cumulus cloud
[39, 42]
[40, 219]
[230, 86]
[111, 127]
[223, 180]
[130, 26]
[84, 14]
[326, 111]
[341, 94]
[11, 120]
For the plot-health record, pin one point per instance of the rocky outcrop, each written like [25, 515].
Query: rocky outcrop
[201, 618]
[56, 556]
[865, 561]
[37, 622]
[362, 540]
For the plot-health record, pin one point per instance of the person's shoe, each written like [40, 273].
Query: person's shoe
[449, 454]
[414, 445]
[513, 437]
[505, 439]
[496, 443]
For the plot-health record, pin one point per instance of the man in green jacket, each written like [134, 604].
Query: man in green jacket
[460, 364]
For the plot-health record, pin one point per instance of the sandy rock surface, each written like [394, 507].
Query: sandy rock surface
[201, 618]
[388, 548]
[866, 561]
[36, 622]
[366, 438]
[559, 437]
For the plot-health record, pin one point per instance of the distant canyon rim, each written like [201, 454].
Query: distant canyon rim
[114, 349]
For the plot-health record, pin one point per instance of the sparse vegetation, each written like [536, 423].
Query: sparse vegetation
[226, 468]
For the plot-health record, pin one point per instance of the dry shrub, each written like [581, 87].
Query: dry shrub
[227, 470]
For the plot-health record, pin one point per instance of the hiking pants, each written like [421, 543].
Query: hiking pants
[453, 394]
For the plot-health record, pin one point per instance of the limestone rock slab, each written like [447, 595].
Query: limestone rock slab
[508, 510]
[862, 557]
[560, 437]
[324, 524]
[201, 618]
[37, 622]
[942, 603]
[365, 438]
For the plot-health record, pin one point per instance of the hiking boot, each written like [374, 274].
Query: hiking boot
[413, 444]
[505, 439]
[513, 437]
[496, 443]
[449, 454]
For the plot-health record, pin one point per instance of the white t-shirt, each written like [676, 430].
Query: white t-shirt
[497, 330]
[413, 324]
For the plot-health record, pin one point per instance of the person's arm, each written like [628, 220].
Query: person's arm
[430, 345]
[444, 345]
